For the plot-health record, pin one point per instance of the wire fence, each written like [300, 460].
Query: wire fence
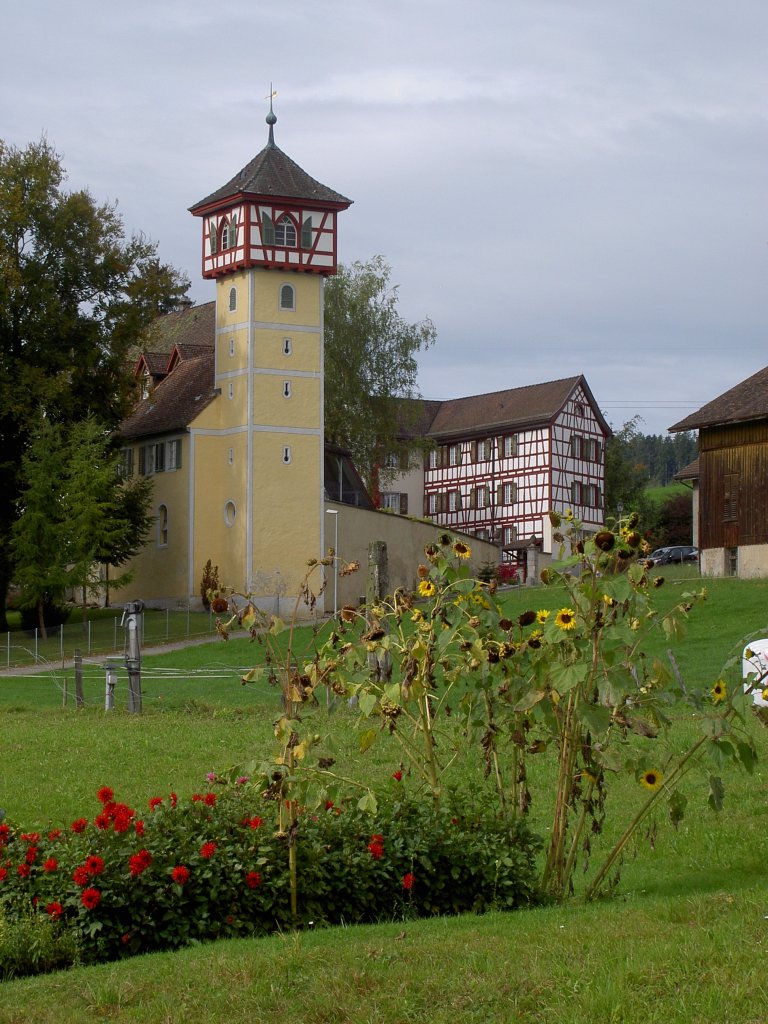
[102, 636]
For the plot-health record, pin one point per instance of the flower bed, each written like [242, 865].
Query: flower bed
[214, 866]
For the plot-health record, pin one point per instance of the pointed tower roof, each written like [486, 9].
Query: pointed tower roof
[272, 173]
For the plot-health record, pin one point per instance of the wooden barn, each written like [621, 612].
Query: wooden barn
[733, 479]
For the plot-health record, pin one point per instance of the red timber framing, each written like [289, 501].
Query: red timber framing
[501, 485]
[276, 234]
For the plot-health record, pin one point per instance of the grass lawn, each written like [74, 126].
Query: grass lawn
[682, 940]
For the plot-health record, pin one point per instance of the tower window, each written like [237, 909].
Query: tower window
[287, 346]
[306, 233]
[230, 513]
[162, 526]
[231, 390]
[287, 454]
[231, 456]
[232, 299]
[287, 297]
[285, 232]
[232, 346]
[286, 389]
[229, 233]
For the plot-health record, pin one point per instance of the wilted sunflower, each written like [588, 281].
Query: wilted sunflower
[566, 618]
[719, 691]
[461, 550]
[427, 588]
[526, 618]
[444, 540]
[604, 540]
[651, 779]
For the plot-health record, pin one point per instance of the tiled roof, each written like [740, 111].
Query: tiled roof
[515, 407]
[745, 401]
[156, 362]
[689, 472]
[175, 401]
[195, 325]
[273, 173]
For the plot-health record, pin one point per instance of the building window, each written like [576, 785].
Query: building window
[454, 455]
[173, 455]
[576, 492]
[232, 299]
[231, 390]
[287, 297]
[229, 233]
[393, 501]
[483, 451]
[508, 534]
[287, 454]
[432, 504]
[454, 501]
[286, 389]
[578, 408]
[162, 526]
[509, 493]
[510, 446]
[231, 456]
[125, 466]
[306, 233]
[432, 459]
[230, 513]
[482, 497]
[232, 346]
[285, 233]
[287, 346]
[730, 497]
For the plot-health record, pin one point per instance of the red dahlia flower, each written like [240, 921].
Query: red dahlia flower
[90, 898]
[180, 874]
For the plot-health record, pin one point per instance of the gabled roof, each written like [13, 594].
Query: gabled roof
[689, 472]
[154, 363]
[745, 401]
[516, 408]
[193, 326]
[176, 400]
[272, 173]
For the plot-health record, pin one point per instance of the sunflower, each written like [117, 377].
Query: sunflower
[461, 550]
[427, 588]
[719, 691]
[651, 779]
[542, 615]
[566, 618]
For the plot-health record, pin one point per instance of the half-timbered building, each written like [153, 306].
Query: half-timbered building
[502, 461]
[733, 479]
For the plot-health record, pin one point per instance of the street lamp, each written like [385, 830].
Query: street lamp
[335, 513]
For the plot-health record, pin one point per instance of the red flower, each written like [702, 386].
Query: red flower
[23, 870]
[5, 832]
[90, 898]
[254, 822]
[207, 850]
[79, 825]
[174, 799]
[397, 776]
[209, 799]
[3, 874]
[376, 846]
[103, 821]
[180, 874]
[54, 834]
[408, 880]
[30, 837]
[155, 802]
[105, 795]
[139, 826]
[139, 862]
[30, 855]
[197, 797]
[328, 804]
[54, 909]
[51, 864]
[94, 864]
[81, 876]
[125, 939]
[253, 879]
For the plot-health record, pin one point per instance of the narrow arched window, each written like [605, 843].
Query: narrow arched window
[287, 346]
[285, 232]
[162, 526]
[287, 297]
[287, 454]
[232, 299]
[286, 389]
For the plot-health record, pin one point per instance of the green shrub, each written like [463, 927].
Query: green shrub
[33, 943]
[215, 866]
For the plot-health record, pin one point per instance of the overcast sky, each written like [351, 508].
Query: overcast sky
[562, 186]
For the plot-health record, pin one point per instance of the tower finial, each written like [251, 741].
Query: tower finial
[271, 118]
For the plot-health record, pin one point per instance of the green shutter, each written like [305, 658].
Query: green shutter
[267, 230]
[306, 233]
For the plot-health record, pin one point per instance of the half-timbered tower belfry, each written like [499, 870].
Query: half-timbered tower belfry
[268, 241]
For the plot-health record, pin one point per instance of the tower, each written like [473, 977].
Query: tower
[268, 241]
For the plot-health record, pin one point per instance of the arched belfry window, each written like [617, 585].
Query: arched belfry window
[232, 299]
[285, 232]
[287, 297]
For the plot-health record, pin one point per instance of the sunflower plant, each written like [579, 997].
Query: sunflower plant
[571, 680]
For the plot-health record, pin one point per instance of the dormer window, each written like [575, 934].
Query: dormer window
[285, 232]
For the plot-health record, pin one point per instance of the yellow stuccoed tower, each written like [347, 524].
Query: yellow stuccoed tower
[269, 241]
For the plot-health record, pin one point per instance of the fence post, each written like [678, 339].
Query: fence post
[35, 644]
[61, 644]
[111, 681]
[65, 692]
[79, 699]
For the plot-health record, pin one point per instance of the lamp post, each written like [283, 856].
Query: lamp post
[335, 513]
[619, 511]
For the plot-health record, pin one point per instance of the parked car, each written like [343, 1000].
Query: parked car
[675, 555]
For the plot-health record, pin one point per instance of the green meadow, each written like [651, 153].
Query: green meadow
[682, 939]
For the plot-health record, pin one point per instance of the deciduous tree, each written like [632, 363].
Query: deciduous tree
[370, 364]
[75, 294]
